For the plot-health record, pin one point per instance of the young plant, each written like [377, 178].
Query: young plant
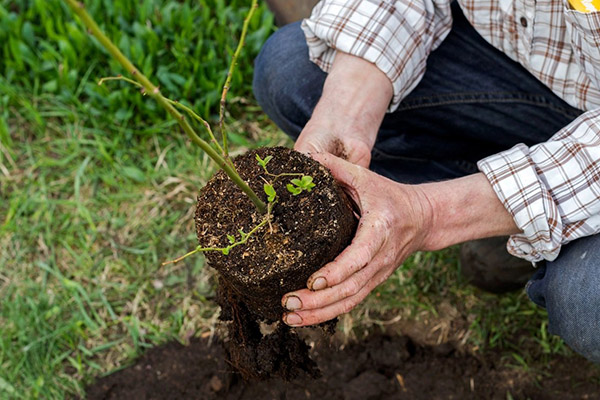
[297, 186]
[220, 157]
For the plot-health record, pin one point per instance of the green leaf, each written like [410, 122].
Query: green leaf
[134, 173]
[231, 239]
[307, 183]
[28, 34]
[306, 179]
[296, 182]
[50, 86]
[263, 163]
[6, 387]
[293, 189]
[4, 135]
[225, 251]
[270, 191]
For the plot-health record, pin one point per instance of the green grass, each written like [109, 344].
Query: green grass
[97, 188]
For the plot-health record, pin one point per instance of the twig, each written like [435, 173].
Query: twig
[151, 90]
[224, 250]
[227, 84]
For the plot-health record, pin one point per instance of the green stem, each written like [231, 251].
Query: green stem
[227, 84]
[224, 250]
[195, 116]
[79, 9]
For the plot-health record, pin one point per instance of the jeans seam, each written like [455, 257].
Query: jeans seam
[411, 105]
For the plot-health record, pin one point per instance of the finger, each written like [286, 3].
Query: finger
[366, 244]
[345, 172]
[306, 147]
[305, 299]
[316, 316]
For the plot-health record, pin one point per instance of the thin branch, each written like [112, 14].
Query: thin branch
[151, 90]
[224, 250]
[119, 78]
[227, 84]
[195, 116]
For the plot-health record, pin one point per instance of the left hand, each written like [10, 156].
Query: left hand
[394, 223]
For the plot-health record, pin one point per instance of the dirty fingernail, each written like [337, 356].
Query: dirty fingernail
[292, 319]
[319, 283]
[293, 303]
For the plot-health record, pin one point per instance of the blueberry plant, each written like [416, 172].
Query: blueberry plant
[218, 152]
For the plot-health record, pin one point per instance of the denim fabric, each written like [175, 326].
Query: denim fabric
[473, 101]
[569, 289]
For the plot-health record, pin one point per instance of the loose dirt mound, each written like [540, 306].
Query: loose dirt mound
[380, 367]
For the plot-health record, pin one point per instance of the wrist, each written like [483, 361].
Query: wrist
[464, 209]
[355, 98]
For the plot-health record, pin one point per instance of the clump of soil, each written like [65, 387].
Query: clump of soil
[306, 232]
[379, 367]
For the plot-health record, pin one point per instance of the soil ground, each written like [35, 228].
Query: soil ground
[378, 367]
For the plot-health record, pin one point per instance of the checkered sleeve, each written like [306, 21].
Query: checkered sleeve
[551, 189]
[395, 35]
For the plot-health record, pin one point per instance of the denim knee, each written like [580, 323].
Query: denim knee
[287, 85]
[569, 288]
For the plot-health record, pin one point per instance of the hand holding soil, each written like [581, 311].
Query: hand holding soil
[316, 139]
[392, 226]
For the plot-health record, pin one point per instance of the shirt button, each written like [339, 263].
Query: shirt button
[523, 21]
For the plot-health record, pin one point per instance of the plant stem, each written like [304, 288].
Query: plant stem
[227, 84]
[79, 9]
[199, 249]
[175, 103]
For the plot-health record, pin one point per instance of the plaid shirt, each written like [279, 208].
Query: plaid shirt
[551, 189]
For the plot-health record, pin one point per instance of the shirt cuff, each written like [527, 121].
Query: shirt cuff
[523, 192]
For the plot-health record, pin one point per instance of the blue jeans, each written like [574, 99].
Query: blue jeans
[473, 101]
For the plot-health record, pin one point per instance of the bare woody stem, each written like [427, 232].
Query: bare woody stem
[153, 91]
[227, 84]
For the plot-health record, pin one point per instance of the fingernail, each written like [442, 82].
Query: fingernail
[293, 303]
[292, 319]
[319, 283]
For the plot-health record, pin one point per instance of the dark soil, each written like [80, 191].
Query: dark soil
[380, 367]
[306, 232]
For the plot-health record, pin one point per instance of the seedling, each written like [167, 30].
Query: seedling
[221, 155]
[297, 186]
[270, 192]
[217, 152]
[263, 163]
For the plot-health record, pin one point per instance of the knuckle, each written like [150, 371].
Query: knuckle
[347, 306]
[352, 287]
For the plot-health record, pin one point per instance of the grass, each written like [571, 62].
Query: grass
[97, 188]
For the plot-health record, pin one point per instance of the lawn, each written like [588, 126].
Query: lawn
[98, 187]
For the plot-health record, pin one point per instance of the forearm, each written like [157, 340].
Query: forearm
[355, 98]
[464, 209]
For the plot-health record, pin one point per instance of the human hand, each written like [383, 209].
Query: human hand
[391, 227]
[345, 121]
[317, 138]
